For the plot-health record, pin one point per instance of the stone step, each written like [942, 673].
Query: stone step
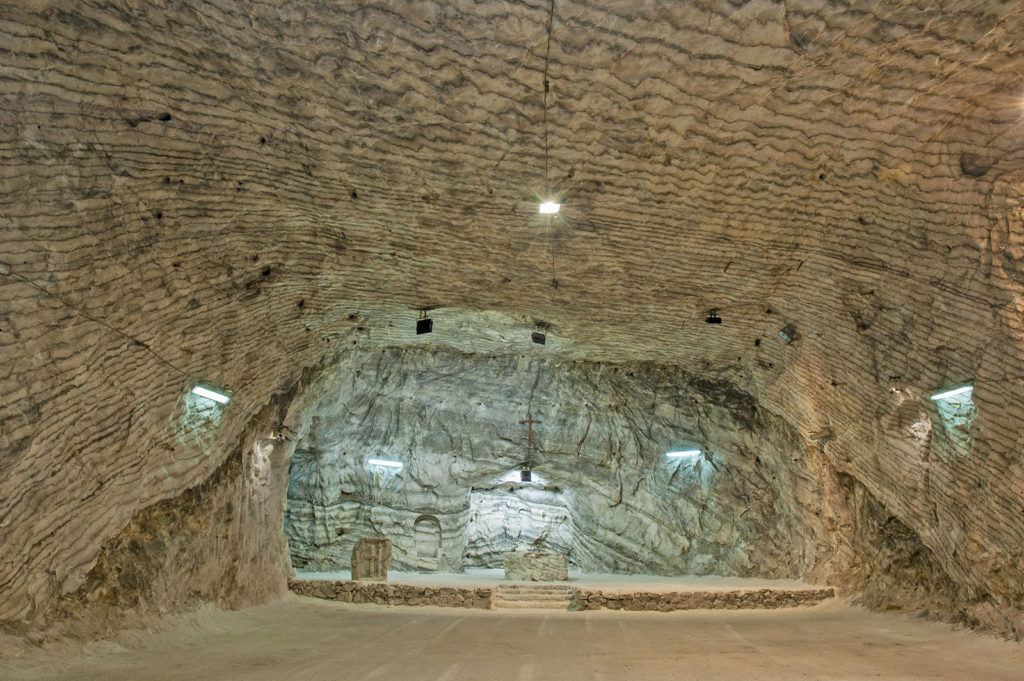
[533, 605]
[529, 592]
[533, 597]
[530, 588]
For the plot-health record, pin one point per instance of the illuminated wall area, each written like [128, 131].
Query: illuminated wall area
[635, 468]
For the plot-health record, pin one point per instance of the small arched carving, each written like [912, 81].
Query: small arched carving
[427, 531]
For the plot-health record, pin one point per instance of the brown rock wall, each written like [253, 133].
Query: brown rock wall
[231, 190]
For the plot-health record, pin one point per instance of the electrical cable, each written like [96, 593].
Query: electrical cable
[547, 175]
[99, 321]
[123, 334]
[547, 88]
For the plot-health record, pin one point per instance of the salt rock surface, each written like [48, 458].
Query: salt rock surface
[240, 192]
[605, 494]
[534, 566]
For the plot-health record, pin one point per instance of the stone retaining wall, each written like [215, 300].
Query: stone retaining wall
[692, 600]
[383, 593]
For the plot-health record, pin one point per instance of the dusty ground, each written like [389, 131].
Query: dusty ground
[318, 640]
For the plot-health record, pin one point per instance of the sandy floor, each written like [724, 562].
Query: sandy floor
[608, 583]
[317, 640]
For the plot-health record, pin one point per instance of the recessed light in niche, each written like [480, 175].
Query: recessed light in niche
[954, 392]
[211, 394]
[384, 463]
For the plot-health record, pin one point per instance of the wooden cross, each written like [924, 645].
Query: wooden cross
[529, 424]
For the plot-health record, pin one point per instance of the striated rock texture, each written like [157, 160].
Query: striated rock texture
[604, 492]
[538, 567]
[235, 191]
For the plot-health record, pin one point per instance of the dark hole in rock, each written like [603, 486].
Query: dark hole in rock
[973, 165]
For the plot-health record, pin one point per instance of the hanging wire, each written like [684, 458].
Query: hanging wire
[99, 321]
[547, 174]
[279, 428]
[547, 88]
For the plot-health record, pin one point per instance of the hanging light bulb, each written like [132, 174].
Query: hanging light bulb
[549, 208]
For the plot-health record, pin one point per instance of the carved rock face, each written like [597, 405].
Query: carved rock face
[604, 493]
[371, 558]
[241, 193]
[534, 566]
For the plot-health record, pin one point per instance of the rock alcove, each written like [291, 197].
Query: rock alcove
[603, 490]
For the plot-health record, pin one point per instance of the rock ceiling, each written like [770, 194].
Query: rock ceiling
[235, 191]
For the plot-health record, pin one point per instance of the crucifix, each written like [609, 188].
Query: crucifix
[529, 421]
[525, 474]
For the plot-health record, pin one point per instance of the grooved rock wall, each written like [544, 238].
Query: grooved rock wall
[233, 191]
[604, 493]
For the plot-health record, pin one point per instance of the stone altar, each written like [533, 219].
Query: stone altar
[371, 558]
[536, 566]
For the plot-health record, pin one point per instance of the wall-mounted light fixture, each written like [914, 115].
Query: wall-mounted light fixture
[210, 393]
[954, 392]
[712, 317]
[683, 454]
[549, 208]
[424, 324]
[384, 463]
[539, 335]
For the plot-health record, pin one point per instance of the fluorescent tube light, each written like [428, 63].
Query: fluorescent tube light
[953, 392]
[211, 394]
[385, 463]
[681, 454]
[549, 208]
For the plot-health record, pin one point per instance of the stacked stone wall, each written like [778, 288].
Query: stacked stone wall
[382, 593]
[587, 599]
